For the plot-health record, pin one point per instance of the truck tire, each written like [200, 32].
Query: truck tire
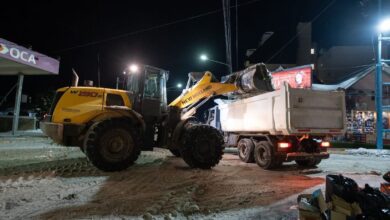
[309, 162]
[175, 152]
[264, 155]
[202, 146]
[245, 150]
[112, 145]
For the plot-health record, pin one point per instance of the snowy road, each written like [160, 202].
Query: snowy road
[44, 181]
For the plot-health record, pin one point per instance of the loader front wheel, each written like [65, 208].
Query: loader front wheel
[202, 146]
[112, 145]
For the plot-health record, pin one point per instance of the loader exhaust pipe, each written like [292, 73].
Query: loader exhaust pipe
[75, 79]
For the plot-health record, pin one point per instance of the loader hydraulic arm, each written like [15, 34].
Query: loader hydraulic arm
[253, 79]
[204, 88]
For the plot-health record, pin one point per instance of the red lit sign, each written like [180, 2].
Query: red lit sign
[298, 77]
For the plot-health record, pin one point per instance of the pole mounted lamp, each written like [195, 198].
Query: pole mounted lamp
[204, 57]
[383, 28]
[131, 69]
[134, 68]
[175, 88]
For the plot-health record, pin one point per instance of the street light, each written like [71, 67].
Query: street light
[204, 57]
[383, 27]
[134, 68]
[177, 87]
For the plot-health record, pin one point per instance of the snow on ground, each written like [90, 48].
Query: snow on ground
[39, 179]
[369, 152]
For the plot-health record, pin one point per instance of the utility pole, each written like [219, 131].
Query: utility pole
[15, 121]
[98, 68]
[379, 87]
[228, 34]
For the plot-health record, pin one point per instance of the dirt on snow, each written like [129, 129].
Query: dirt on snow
[40, 180]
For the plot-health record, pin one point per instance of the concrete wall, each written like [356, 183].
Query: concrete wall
[25, 123]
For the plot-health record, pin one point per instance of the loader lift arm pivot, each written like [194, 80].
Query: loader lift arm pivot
[205, 88]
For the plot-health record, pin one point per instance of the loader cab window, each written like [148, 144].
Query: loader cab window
[152, 86]
[114, 100]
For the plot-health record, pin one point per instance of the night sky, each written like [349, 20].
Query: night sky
[56, 28]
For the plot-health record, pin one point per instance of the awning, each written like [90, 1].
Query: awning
[15, 59]
[346, 83]
[20, 61]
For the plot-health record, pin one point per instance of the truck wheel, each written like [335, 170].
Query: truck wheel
[175, 152]
[112, 145]
[308, 163]
[245, 150]
[264, 155]
[202, 146]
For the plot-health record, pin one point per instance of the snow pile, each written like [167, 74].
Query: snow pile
[369, 152]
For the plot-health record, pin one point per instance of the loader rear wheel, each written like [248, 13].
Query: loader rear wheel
[202, 146]
[264, 155]
[245, 150]
[112, 145]
[308, 162]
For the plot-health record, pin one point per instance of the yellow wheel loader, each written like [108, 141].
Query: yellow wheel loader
[113, 126]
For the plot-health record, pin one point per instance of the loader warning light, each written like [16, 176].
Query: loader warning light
[325, 144]
[284, 145]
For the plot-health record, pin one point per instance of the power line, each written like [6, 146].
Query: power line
[152, 28]
[348, 67]
[304, 28]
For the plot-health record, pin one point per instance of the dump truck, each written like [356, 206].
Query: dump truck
[113, 126]
[288, 124]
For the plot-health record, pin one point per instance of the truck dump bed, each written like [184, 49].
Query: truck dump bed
[286, 111]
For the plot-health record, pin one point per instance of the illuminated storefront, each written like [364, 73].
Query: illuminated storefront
[359, 90]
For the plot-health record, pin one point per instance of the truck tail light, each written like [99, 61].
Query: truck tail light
[284, 145]
[325, 144]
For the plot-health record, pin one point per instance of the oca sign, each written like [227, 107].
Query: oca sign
[17, 54]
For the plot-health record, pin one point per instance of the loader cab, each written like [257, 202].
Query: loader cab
[148, 91]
